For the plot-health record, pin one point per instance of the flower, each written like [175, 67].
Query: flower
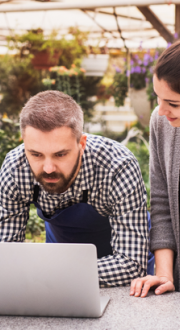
[145, 63]
[118, 70]
[176, 35]
[53, 68]
[156, 55]
[169, 44]
[137, 69]
[4, 115]
[146, 57]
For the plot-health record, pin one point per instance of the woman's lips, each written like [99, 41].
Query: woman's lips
[171, 119]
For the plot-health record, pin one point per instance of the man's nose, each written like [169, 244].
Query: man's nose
[49, 166]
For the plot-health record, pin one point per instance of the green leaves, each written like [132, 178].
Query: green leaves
[35, 224]
[141, 153]
[10, 137]
[120, 88]
[18, 81]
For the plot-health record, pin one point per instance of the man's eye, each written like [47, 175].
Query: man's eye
[35, 155]
[60, 155]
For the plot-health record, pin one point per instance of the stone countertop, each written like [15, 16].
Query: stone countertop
[123, 312]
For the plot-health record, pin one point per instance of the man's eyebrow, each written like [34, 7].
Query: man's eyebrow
[61, 151]
[57, 152]
[31, 150]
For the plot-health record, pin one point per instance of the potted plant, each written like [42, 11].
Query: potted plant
[75, 83]
[141, 91]
[47, 51]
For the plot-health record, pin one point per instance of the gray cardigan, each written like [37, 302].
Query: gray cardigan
[164, 179]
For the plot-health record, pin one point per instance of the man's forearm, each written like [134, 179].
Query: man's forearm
[164, 263]
[118, 270]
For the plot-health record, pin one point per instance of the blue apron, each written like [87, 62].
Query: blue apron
[79, 223]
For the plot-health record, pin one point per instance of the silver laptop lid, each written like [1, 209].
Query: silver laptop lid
[49, 280]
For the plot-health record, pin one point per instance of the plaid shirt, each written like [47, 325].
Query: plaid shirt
[111, 174]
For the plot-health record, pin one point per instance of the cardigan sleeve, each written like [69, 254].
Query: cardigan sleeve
[161, 235]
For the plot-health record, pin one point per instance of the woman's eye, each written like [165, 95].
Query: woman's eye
[173, 105]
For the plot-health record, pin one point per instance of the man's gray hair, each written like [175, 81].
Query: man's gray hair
[52, 109]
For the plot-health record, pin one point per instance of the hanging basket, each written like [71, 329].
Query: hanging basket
[95, 64]
[45, 59]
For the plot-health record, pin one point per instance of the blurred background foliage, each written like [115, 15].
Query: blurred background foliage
[35, 229]
[141, 76]
[74, 83]
[20, 79]
[10, 137]
[141, 153]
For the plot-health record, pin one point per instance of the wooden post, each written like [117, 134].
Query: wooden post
[156, 23]
[177, 20]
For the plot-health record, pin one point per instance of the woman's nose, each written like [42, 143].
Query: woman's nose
[163, 108]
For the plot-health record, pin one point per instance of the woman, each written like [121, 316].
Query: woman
[164, 177]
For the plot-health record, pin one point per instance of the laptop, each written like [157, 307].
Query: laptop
[50, 279]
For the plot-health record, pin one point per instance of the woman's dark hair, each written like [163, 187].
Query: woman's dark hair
[168, 67]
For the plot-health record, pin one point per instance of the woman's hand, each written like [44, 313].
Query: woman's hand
[140, 286]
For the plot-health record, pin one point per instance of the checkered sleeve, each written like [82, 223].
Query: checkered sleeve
[129, 227]
[14, 210]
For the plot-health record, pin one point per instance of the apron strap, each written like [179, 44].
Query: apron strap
[36, 193]
[85, 196]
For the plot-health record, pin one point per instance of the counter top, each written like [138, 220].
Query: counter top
[123, 312]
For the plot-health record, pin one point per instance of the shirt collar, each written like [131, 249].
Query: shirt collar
[85, 177]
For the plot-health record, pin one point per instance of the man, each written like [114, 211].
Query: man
[87, 188]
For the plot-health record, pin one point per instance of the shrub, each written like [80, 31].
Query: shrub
[35, 224]
[9, 137]
[141, 153]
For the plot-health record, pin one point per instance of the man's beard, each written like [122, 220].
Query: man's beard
[63, 183]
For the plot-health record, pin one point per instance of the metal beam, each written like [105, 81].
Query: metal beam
[177, 20]
[88, 4]
[118, 15]
[119, 29]
[156, 23]
[123, 16]
[100, 26]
